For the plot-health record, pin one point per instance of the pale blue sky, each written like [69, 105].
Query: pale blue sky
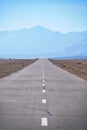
[57, 15]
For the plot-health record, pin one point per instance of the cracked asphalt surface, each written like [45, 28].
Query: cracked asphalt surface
[21, 95]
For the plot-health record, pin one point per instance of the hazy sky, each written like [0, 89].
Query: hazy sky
[57, 15]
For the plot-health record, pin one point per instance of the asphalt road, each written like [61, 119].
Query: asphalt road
[43, 97]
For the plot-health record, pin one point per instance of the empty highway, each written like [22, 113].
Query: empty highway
[43, 97]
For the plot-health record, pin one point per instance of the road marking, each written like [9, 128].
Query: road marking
[43, 85]
[43, 90]
[43, 74]
[43, 80]
[44, 121]
[43, 100]
[43, 77]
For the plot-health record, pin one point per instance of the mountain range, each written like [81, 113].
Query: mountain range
[42, 42]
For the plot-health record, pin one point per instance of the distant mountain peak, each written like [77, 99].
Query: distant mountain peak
[38, 27]
[39, 41]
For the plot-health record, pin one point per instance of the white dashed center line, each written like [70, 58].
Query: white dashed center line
[44, 121]
[43, 85]
[43, 100]
[43, 80]
[43, 76]
[43, 90]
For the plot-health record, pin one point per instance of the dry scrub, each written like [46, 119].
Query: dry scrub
[9, 66]
[77, 67]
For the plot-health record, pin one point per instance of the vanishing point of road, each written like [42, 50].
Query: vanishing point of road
[43, 97]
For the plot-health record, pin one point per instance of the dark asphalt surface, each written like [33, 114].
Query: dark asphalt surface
[21, 95]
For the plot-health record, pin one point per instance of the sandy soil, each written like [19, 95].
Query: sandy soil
[9, 66]
[77, 67]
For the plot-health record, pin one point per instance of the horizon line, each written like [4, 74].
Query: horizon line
[10, 30]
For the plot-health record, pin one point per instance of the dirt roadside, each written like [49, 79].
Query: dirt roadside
[77, 67]
[12, 65]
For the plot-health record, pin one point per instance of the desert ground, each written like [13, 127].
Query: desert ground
[77, 67]
[12, 65]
